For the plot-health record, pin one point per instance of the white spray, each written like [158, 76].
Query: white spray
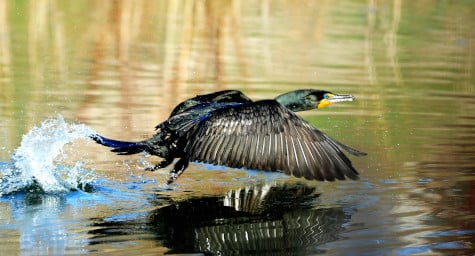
[33, 163]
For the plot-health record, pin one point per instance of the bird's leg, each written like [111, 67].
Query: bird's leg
[164, 163]
[178, 169]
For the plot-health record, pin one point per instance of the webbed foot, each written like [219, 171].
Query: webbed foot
[164, 163]
[178, 169]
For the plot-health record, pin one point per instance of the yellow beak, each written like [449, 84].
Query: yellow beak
[323, 103]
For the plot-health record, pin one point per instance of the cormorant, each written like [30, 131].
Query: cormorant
[227, 128]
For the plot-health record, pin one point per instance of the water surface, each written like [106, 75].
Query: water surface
[119, 67]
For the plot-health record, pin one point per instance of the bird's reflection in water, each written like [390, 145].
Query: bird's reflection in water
[258, 219]
[251, 220]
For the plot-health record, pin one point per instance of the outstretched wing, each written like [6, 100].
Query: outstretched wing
[188, 107]
[265, 135]
[216, 97]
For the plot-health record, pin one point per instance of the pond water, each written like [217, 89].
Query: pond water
[70, 68]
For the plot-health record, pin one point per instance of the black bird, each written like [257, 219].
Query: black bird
[227, 128]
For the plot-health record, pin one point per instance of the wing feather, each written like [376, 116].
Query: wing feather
[265, 135]
[218, 149]
[238, 148]
[228, 150]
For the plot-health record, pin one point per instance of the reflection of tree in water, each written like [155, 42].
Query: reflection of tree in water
[253, 220]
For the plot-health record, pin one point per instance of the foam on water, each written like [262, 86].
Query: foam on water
[37, 164]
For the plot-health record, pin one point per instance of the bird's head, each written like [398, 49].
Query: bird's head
[307, 99]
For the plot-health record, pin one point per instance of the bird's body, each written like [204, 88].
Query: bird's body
[227, 128]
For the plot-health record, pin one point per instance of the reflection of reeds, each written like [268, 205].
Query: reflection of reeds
[127, 63]
[6, 87]
[369, 59]
[196, 39]
[46, 34]
[192, 38]
[5, 53]
[392, 41]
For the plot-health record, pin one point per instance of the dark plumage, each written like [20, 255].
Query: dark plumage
[227, 128]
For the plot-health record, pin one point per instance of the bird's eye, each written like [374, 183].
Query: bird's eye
[326, 96]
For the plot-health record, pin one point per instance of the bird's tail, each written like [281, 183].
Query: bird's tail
[120, 147]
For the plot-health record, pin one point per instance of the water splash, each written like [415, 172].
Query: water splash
[35, 166]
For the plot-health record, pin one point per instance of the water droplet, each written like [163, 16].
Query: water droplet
[36, 164]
